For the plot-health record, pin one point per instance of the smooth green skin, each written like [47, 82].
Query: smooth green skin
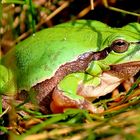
[39, 56]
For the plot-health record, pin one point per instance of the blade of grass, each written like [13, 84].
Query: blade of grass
[133, 86]
[131, 89]
[13, 1]
[31, 15]
[0, 104]
[42, 125]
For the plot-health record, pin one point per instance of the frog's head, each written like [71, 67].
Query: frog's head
[121, 52]
[123, 47]
[7, 84]
[123, 44]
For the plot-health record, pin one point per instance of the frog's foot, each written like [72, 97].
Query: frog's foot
[60, 102]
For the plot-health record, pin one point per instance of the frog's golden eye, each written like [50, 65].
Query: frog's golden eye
[119, 46]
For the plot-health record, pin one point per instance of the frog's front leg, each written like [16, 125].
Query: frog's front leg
[69, 92]
[65, 95]
[105, 81]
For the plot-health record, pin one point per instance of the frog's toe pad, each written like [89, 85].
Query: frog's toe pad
[61, 102]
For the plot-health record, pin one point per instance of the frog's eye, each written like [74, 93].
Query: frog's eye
[119, 46]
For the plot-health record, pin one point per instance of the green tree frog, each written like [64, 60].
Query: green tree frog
[72, 63]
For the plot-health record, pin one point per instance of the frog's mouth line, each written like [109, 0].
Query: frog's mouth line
[125, 70]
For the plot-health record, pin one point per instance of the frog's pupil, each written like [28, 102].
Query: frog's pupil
[120, 43]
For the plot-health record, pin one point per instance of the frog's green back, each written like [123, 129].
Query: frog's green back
[39, 56]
